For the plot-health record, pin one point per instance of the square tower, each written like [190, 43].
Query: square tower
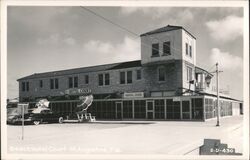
[168, 43]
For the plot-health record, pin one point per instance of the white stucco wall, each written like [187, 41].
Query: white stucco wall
[176, 43]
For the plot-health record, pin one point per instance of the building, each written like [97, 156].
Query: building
[165, 84]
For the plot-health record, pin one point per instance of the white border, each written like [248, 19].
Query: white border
[6, 3]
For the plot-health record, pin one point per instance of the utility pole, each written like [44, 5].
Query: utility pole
[217, 88]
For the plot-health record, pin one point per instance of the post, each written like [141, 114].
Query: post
[22, 121]
[217, 88]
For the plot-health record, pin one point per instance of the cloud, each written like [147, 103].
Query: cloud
[226, 60]
[227, 29]
[56, 39]
[154, 12]
[128, 49]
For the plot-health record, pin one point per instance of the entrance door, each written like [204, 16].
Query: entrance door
[186, 110]
[150, 110]
[118, 107]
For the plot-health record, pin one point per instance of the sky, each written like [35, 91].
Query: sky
[41, 39]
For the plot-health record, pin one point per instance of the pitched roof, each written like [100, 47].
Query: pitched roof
[166, 29]
[104, 67]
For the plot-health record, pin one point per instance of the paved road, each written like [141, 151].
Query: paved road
[163, 137]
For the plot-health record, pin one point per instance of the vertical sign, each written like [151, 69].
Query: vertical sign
[23, 108]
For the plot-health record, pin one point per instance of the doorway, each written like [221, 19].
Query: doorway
[186, 109]
[119, 109]
[150, 110]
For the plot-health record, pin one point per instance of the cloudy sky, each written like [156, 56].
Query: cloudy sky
[44, 39]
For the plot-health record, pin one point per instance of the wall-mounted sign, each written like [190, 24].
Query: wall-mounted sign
[133, 95]
[176, 99]
[76, 91]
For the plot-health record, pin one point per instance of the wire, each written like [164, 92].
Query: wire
[125, 29]
[133, 33]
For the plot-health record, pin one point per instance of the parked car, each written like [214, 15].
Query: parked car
[37, 116]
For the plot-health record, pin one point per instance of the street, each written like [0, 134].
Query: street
[125, 137]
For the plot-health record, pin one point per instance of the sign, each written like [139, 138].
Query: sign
[176, 99]
[133, 95]
[21, 106]
[75, 91]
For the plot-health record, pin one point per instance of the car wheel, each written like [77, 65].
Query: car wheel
[60, 120]
[36, 122]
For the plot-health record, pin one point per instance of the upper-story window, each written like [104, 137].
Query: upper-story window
[73, 82]
[189, 74]
[86, 79]
[138, 74]
[166, 48]
[122, 78]
[106, 76]
[129, 77]
[155, 50]
[25, 86]
[54, 83]
[41, 83]
[186, 48]
[161, 74]
[103, 79]
[126, 77]
[190, 51]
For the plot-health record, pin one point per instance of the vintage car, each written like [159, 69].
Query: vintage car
[37, 116]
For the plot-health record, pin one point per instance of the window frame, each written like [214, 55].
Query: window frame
[164, 74]
[140, 73]
[41, 83]
[155, 50]
[186, 48]
[86, 79]
[166, 48]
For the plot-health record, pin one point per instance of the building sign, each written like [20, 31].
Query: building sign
[176, 99]
[76, 91]
[133, 95]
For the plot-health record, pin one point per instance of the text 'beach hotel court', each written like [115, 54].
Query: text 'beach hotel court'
[166, 84]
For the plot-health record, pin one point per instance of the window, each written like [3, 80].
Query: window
[126, 77]
[54, 83]
[103, 79]
[86, 79]
[106, 79]
[138, 74]
[186, 49]
[166, 48]
[75, 82]
[155, 49]
[100, 79]
[51, 83]
[189, 73]
[122, 77]
[70, 82]
[23, 86]
[161, 74]
[41, 83]
[129, 77]
[27, 86]
[190, 51]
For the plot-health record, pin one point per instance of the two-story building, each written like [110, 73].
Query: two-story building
[165, 84]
